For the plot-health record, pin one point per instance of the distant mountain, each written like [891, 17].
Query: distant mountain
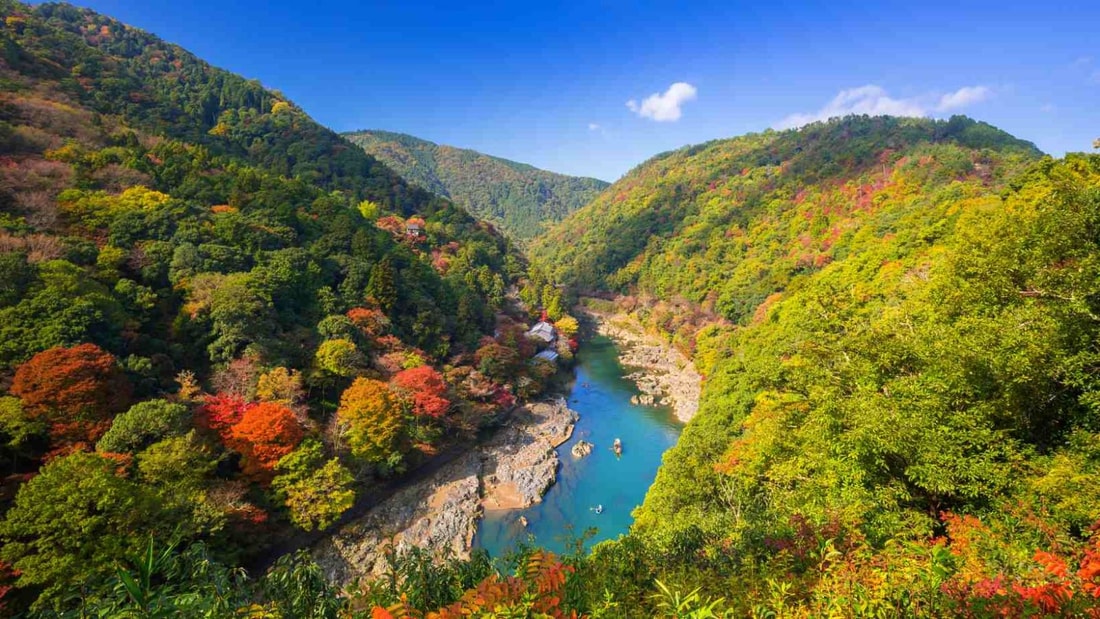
[518, 197]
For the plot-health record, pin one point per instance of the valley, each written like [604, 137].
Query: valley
[843, 364]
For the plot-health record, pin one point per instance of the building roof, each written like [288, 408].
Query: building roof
[543, 330]
[547, 354]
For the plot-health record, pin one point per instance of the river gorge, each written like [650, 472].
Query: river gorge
[601, 394]
[525, 483]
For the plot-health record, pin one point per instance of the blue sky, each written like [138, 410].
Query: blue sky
[550, 85]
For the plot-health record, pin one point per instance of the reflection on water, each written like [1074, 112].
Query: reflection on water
[602, 397]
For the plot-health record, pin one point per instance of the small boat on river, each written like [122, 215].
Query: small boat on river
[618, 447]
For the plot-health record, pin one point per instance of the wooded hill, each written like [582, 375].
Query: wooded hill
[219, 320]
[519, 198]
[897, 324]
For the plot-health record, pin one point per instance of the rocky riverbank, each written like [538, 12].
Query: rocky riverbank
[511, 470]
[662, 373]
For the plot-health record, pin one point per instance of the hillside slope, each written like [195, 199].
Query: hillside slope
[896, 319]
[684, 222]
[520, 198]
[219, 321]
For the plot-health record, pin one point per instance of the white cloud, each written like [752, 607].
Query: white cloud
[967, 95]
[873, 100]
[664, 107]
[593, 127]
[1082, 61]
[1049, 107]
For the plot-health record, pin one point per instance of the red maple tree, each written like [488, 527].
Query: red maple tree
[77, 391]
[424, 388]
[220, 412]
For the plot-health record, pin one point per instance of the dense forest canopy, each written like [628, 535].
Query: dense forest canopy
[659, 229]
[223, 326]
[221, 323]
[521, 199]
[897, 324]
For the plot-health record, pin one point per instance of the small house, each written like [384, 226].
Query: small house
[414, 227]
[543, 331]
[548, 355]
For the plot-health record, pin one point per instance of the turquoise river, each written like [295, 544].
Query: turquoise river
[601, 395]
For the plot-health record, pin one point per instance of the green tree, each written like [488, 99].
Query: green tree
[315, 491]
[67, 307]
[240, 315]
[16, 276]
[73, 521]
[382, 286]
[177, 464]
[144, 424]
[19, 432]
[339, 357]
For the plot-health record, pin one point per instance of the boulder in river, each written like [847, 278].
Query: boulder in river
[582, 448]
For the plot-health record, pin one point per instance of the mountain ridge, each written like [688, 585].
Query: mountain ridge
[656, 206]
[519, 197]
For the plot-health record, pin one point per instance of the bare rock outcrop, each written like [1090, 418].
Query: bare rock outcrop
[664, 375]
[511, 470]
[520, 462]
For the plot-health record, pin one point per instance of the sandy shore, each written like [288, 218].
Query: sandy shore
[512, 470]
[663, 374]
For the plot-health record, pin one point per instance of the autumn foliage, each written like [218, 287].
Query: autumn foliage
[75, 390]
[220, 412]
[1051, 587]
[423, 387]
[373, 322]
[265, 433]
[371, 421]
[537, 592]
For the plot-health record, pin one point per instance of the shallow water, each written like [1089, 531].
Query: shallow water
[602, 397]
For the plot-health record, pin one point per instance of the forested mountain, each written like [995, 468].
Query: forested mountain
[224, 326]
[521, 199]
[219, 322]
[897, 321]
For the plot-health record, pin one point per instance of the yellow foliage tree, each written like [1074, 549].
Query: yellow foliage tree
[369, 210]
[371, 419]
[281, 386]
[567, 325]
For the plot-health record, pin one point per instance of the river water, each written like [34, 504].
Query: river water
[602, 397]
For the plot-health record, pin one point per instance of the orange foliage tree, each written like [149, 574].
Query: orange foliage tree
[424, 389]
[373, 322]
[266, 432]
[371, 421]
[75, 390]
[1051, 587]
[392, 224]
[537, 593]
